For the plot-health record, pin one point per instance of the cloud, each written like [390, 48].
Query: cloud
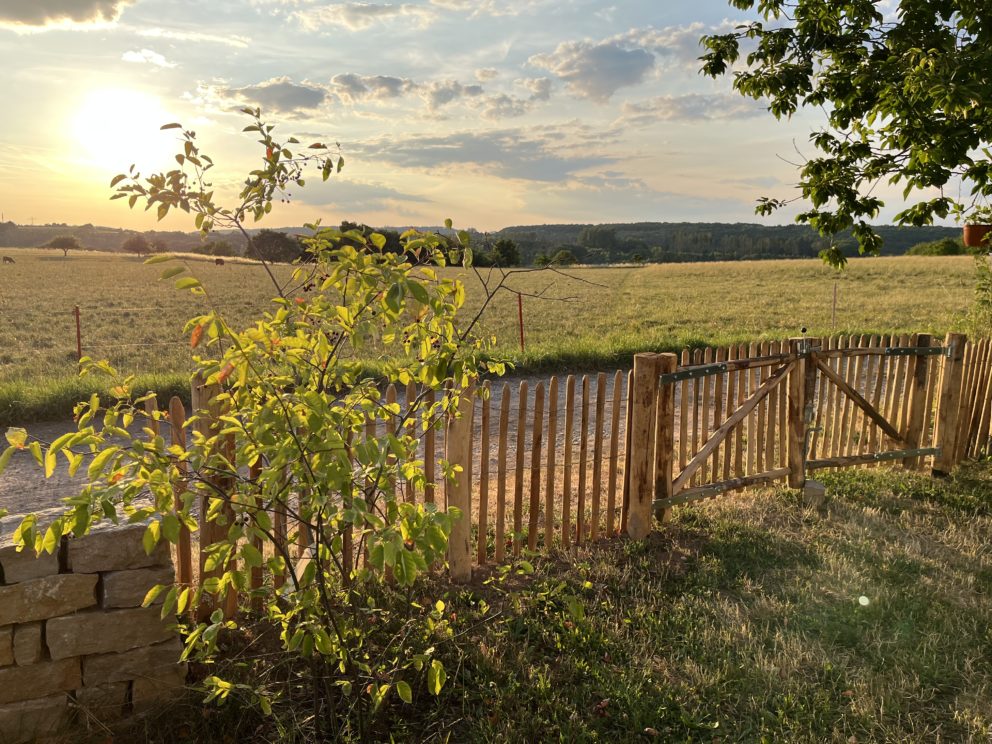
[442, 92]
[492, 7]
[596, 70]
[240, 42]
[359, 16]
[486, 73]
[147, 56]
[691, 107]
[356, 196]
[42, 13]
[278, 94]
[510, 153]
[677, 45]
[540, 88]
[351, 87]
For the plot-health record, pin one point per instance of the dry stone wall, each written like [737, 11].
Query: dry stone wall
[76, 647]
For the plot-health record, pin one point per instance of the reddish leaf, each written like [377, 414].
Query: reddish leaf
[194, 339]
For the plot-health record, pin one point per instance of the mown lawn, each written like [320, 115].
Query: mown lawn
[748, 619]
[585, 317]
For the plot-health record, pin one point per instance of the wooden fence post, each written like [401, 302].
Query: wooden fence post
[664, 434]
[205, 407]
[643, 395]
[916, 392]
[946, 434]
[458, 451]
[797, 414]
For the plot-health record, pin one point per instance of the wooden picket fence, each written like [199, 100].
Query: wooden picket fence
[565, 461]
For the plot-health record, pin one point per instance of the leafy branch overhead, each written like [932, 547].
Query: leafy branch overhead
[907, 96]
[188, 189]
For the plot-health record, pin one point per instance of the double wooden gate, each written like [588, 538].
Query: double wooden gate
[778, 412]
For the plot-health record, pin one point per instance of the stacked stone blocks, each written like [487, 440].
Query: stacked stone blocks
[76, 647]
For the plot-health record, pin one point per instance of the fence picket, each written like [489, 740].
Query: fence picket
[536, 439]
[482, 536]
[566, 483]
[552, 464]
[611, 494]
[504, 425]
[580, 510]
[520, 446]
[597, 453]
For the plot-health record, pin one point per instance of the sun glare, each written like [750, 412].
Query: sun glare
[114, 127]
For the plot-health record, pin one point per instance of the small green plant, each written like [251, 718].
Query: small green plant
[285, 437]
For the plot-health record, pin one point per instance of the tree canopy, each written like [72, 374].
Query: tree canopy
[137, 244]
[907, 95]
[64, 243]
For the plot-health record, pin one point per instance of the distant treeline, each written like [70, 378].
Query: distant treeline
[666, 242]
[657, 242]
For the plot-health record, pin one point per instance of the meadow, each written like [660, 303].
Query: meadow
[583, 318]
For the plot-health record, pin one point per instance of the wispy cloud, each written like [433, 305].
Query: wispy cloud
[691, 107]
[197, 37]
[279, 94]
[148, 57]
[360, 16]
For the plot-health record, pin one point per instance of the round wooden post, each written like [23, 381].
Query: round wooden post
[916, 390]
[797, 414]
[665, 435]
[946, 433]
[643, 395]
[458, 451]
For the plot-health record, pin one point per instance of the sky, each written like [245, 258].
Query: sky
[490, 112]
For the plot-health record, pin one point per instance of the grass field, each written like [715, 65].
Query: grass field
[748, 619]
[595, 317]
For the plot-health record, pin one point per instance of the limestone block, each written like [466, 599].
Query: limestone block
[102, 703]
[110, 547]
[154, 690]
[23, 566]
[39, 680]
[27, 643]
[33, 720]
[103, 668]
[102, 632]
[128, 588]
[44, 598]
[6, 646]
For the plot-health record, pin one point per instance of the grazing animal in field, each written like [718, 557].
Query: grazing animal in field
[219, 261]
[8, 259]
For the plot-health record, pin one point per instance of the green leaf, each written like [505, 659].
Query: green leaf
[5, 457]
[187, 282]
[251, 555]
[151, 537]
[50, 460]
[17, 436]
[100, 462]
[448, 223]
[170, 528]
[169, 273]
[161, 258]
[152, 595]
[404, 691]
[435, 677]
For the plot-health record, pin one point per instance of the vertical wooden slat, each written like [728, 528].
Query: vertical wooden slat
[719, 390]
[483, 534]
[684, 394]
[916, 389]
[411, 430]
[664, 433]
[552, 463]
[949, 405]
[878, 395]
[625, 496]
[184, 551]
[597, 454]
[967, 377]
[771, 425]
[537, 444]
[739, 430]
[753, 433]
[762, 430]
[796, 385]
[985, 408]
[706, 416]
[501, 457]
[581, 528]
[978, 406]
[854, 369]
[429, 448]
[566, 483]
[255, 575]
[730, 443]
[611, 494]
[458, 451]
[696, 401]
[390, 422]
[520, 445]
[840, 400]
[933, 380]
[824, 398]
[782, 440]
[870, 375]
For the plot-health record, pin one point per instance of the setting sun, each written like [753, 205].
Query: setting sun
[116, 126]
